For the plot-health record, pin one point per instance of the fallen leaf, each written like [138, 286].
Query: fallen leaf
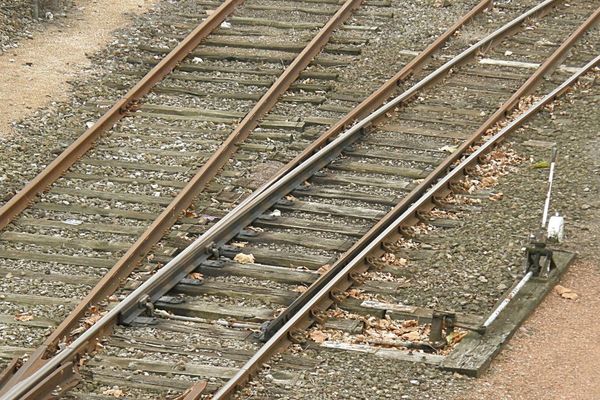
[412, 336]
[448, 148]
[541, 164]
[570, 296]
[356, 293]
[496, 196]
[91, 320]
[24, 317]
[191, 214]
[239, 244]
[318, 336]
[196, 276]
[114, 393]
[565, 292]
[244, 258]
[324, 269]
[456, 336]
[299, 289]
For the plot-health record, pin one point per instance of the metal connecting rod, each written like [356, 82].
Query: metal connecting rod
[549, 193]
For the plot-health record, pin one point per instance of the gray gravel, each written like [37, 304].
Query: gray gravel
[17, 21]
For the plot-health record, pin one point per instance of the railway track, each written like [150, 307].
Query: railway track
[295, 234]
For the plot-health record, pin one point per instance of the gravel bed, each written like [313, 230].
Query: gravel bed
[21, 336]
[108, 170]
[291, 249]
[75, 218]
[334, 220]
[194, 336]
[17, 21]
[349, 375]
[76, 234]
[67, 199]
[51, 268]
[55, 312]
[107, 186]
[63, 251]
[36, 287]
[313, 234]
[347, 203]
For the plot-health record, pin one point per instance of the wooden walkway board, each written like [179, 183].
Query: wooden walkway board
[475, 352]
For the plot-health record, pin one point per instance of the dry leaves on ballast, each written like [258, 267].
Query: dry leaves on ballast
[23, 317]
[114, 392]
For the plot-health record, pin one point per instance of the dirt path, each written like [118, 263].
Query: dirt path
[37, 72]
[556, 354]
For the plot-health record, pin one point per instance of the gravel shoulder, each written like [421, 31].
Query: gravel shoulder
[556, 353]
[37, 72]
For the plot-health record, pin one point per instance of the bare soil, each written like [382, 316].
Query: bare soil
[37, 73]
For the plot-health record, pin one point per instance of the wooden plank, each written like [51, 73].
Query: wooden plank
[352, 326]
[49, 277]
[57, 241]
[93, 262]
[394, 354]
[272, 257]
[36, 322]
[10, 352]
[475, 352]
[162, 367]
[74, 209]
[332, 209]
[394, 155]
[138, 166]
[133, 181]
[299, 223]
[213, 310]
[191, 67]
[34, 300]
[261, 271]
[406, 129]
[300, 240]
[171, 89]
[230, 54]
[422, 314]
[353, 166]
[160, 385]
[124, 197]
[183, 153]
[238, 291]
[342, 179]
[292, 47]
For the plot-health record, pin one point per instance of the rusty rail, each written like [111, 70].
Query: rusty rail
[374, 100]
[168, 217]
[77, 149]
